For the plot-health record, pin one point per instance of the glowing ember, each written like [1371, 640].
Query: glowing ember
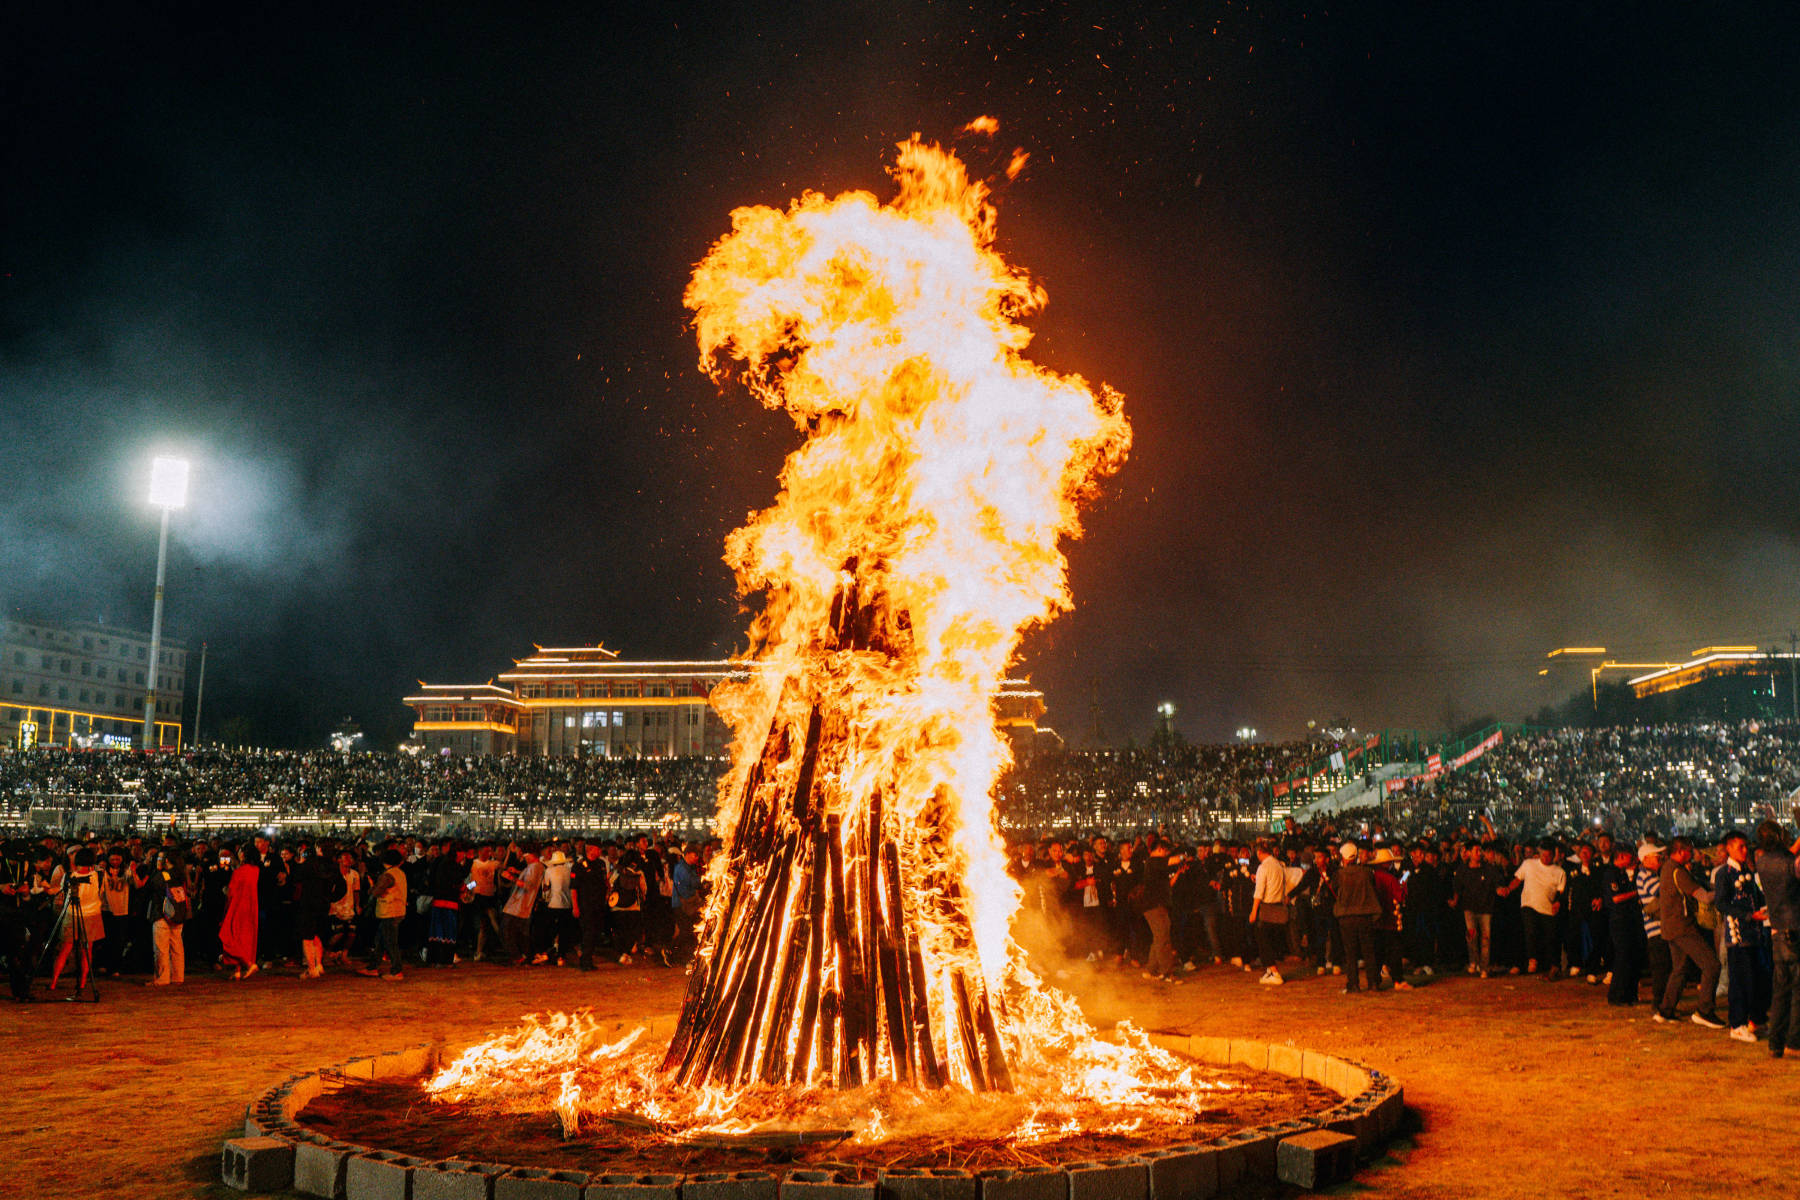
[855, 970]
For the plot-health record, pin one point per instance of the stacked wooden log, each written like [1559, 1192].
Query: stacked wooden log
[812, 970]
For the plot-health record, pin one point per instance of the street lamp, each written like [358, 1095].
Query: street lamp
[1246, 734]
[168, 491]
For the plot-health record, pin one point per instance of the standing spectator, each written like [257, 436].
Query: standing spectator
[115, 913]
[1679, 899]
[389, 898]
[480, 907]
[1388, 926]
[81, 914]
[1427, 892]
[1357, 906]
[1739, 899]
[444, 924]
[1540, 883]
[1624, 927]
[687, 880]
[346, 906]
[1474, 891]
[1584, 935]
[590, 884]
[167, 892]
[238, 929]
[1162, 963]
[1779, 872]
[1648, 878]
[515, 918]
[1269, 910]
[627, 903]
[1091, 884]
[311, 879]
[559, 899]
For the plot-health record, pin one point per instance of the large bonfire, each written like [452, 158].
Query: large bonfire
[855, 969]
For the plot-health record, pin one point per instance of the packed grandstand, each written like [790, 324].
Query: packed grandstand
[1668, 778]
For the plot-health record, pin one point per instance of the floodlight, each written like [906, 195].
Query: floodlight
[168, 483]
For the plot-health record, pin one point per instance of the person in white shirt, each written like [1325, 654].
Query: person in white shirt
[1269, 910]
[559, 899]
[1543, 882]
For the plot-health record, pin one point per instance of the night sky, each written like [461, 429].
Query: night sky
[1450, 333]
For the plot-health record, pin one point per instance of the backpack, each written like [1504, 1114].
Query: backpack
[625, 889]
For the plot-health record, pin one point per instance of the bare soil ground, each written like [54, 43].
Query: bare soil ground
[1518, 1086]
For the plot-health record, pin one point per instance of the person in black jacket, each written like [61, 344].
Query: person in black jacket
[1624, 925]
[590, 885]
[1357, 907]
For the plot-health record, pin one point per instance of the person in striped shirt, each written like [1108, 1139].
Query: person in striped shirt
[1648, 878]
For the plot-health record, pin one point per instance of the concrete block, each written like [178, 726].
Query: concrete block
[455, 1179]
[1315, 1160]
[379, 1175]
[1254, 1055]
[634, 1187]
[1023, 1183]
[925, 1183]
[319, 1168]
[825, 1184]
[252, 1123]
[1337, 1078]
[1215, 1051]
[731, 1185]
[1232, 1161]
[1314, 1067]
[1286, 1060]
[1389, 1112]
[300, 1093]
[1254, 1154]
[538, 1183]
[1111, 1179]
[257, 1164]
[1350, 1120]
[1185, 1172]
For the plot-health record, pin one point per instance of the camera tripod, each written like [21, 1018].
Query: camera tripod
[81, 949]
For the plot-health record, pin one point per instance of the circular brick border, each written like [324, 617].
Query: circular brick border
[1308, 1152]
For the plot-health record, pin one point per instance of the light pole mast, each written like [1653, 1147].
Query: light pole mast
[199, 695]
[168, 491]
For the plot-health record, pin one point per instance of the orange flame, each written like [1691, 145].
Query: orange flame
[941, 468]
[894, 334]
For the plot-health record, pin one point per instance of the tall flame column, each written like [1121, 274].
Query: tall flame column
[857, 927]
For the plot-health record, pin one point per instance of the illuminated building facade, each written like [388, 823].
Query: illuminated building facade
[581, 701]
[584, 701]
[60, 684]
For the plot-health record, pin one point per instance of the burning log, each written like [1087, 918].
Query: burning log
[813, 967]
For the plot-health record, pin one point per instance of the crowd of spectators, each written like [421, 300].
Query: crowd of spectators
[105, 907]
[1681, 778]
[1676, 778]
[397, 790]
[1174, 783]
[1640, 920]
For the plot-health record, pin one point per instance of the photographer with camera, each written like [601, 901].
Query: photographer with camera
[81, 923]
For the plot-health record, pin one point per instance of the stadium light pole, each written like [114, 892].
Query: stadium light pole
[168, 491]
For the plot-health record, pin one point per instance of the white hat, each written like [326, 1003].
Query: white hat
[1347, 851]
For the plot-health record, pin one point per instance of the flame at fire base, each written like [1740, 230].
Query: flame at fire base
[915, 537]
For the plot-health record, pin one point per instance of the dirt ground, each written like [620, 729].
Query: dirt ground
[1516, 1086]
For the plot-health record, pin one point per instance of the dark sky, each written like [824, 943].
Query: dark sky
[1451, 333]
